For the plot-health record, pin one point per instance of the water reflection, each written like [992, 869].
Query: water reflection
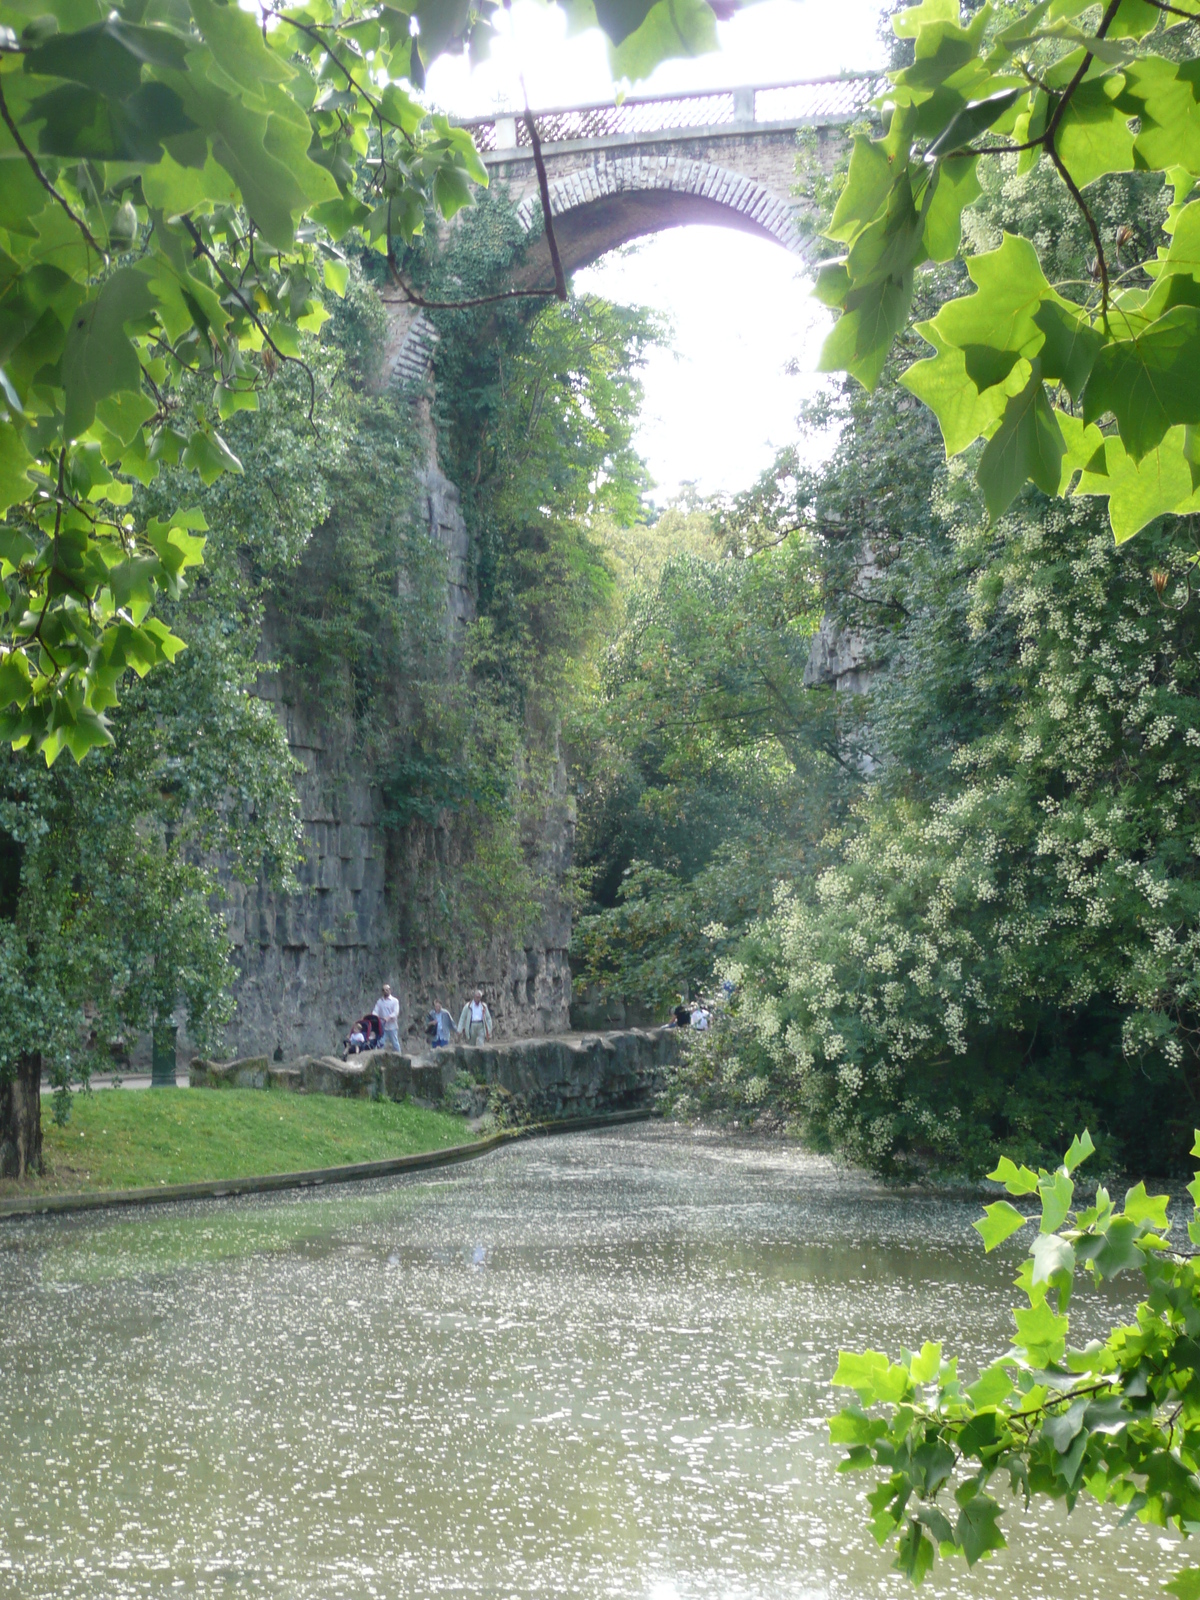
[593, 1366]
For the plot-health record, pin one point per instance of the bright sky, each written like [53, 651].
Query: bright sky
[720, 402]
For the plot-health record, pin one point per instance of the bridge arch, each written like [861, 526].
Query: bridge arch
[619, 198]
[614, 200]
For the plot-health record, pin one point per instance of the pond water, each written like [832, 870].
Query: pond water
[587, 1366]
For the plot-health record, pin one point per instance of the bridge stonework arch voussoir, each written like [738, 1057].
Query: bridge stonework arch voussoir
[674, 190]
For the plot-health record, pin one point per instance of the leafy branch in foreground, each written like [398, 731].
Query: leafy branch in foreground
[1119, 1420]
[1088, 387]
[176, 179]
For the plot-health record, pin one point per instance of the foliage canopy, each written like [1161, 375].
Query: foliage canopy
[1090, 385]
[1117, 1420]
[177, 179]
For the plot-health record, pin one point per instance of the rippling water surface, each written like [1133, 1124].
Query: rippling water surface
[588, 1366]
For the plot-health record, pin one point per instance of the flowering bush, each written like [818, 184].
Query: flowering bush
[1012, 950]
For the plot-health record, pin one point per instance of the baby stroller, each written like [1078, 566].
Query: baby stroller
[372, 1031]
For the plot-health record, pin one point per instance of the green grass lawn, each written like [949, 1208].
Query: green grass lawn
[133, 1139]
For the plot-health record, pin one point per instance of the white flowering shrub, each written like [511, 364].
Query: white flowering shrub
[1010, 951]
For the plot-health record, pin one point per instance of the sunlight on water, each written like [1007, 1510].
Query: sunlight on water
[592, 1366]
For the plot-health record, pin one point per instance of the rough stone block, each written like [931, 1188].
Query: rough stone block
[248, 1073]
[329, 1075]
[395, 1074]
[288, 1078]
[427, 1082]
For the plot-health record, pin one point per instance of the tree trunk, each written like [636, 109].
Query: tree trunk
[21, 1120]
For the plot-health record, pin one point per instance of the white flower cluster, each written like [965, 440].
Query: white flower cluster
[1058, 870]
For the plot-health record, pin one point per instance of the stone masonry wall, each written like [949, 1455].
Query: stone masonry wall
[310, 963]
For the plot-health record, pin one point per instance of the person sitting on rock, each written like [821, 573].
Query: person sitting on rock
[357, 1041]
[475, 1020]
[440, 1025]
[387, 1009]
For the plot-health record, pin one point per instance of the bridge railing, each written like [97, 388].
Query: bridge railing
[809, 102]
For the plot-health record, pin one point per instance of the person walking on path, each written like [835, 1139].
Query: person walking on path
[387, 1009]
[475, 1021]
[441, 1022]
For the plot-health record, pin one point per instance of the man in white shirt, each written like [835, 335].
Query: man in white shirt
[387, 1009]
[701, 1016]
[475, 1020]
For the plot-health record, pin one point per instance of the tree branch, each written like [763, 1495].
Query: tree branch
[560, 282]
[203, 250]
[40, 175]
[1092, 228]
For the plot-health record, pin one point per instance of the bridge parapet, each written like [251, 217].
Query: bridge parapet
[812, 102]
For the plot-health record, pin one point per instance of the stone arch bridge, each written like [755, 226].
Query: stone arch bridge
[619, 172]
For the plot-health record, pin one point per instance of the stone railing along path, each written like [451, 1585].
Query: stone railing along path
[564, 1075]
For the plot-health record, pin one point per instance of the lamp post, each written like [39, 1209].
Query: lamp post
[162, 1069]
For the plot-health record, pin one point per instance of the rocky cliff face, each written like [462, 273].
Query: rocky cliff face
[309, 963]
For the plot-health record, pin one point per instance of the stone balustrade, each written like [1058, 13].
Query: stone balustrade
[563, 1075]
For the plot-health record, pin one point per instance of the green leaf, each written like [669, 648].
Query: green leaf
[99, 358]
[263, 145]
[14, 678]
[1057, 1192]
[971, 121]
[851, 1426]
[109, 55]
[337, 217]
[336, 276]
[1063, 1428]
[1093, 137]
[1139, 491]
[1027, 444]
[980, 1434]
[174, 189]
[1011, 287]
[1118, 1251]
[1143, 1207]
[908, 23]
[862, 336]
[670, 28]
[209, 455]
[87, 731]
[1081, 1148]
[976, 1531]
[1017, 1180]
[925, 1367]
[1042, 1333]
[991, 1388]
[1071, 346]
[872, 1376]
[868, 185]
[237, 44]
[914, 1553]
[16, 546]
[451, 190]
[1162, 93]
[999, 1222]
[945, 386]
[1051, 1255]
[1082, 444]
[1148, 382]
[957, 186]
[1185, 1585]
[124, 414]
[15, 462]
[937, 1523]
